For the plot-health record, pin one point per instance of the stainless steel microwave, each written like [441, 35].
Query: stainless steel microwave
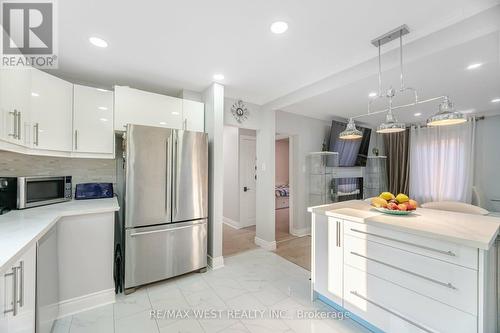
[42, 190]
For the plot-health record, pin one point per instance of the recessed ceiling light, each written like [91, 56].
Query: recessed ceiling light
[474, 66]
[418, 114]
[103, 119]
[34, 94]
[218, 77]
[372, 94]
[495, 100]
[99, 42]
[162, 123]
[102, 108]
[279, 27]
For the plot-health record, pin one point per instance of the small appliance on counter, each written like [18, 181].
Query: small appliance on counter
[93, 191]
[8, 194]
[27, 192]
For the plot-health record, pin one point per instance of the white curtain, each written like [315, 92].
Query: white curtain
[442, 162]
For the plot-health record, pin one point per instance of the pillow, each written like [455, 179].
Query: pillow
[456, 206]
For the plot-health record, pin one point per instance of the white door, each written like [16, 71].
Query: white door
[194, 115]
[14, 104]
[92, 120]
[248, 172]
[51, 112]
[133, 106]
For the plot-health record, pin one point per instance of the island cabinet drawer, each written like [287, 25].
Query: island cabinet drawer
[442, 250]
[395, 309]
[448, 283]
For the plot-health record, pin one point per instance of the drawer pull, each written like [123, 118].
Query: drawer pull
[448, 253]
[355, 293]
[444, 284]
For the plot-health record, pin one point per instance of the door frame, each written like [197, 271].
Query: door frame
[253, 138]
[291, 180]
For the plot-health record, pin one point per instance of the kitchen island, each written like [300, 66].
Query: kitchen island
[431, 271]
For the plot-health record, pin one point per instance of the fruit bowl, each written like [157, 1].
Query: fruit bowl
[394, 212]
[388, 203]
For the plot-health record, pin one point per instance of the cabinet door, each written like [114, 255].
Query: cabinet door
[335, 260]
[194, 115]
[5, 299]
[134, 106]
[15, 97]
[24, 320]
[51, 112]
[92, 120]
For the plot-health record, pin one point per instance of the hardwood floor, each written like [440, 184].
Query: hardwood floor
[237, 240]
[296, 250]
[292, 248]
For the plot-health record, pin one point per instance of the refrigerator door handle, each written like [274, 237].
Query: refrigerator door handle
[161, 230]
[168, 174]
[175, 189]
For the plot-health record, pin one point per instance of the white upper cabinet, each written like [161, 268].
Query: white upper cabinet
[193, 114]
[15, 96]
[51, 112]
[134, 106]
[92, 120]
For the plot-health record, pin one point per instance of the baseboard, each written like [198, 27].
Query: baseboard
[215, 263]
[269, 246]
[232, 223]
[86, 302]
[300, 232]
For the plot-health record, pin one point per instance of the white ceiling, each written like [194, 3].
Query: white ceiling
[441, 73]
[165, 46]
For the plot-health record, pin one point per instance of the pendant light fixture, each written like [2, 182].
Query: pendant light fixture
[446, 115]
[351, 132]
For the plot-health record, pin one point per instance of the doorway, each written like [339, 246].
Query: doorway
[282, 190]
[239, 206]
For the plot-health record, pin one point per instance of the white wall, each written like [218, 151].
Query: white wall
[308, 135]
[253, 118]
[213, 98]
[231, 175]
[487, 161]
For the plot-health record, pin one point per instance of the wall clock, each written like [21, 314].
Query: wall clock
[240, 111]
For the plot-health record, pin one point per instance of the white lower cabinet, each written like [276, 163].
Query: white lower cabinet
[393, 308]
[17, 291]
[399, 282]
[336, 259]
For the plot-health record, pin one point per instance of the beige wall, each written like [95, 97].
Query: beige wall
[281, 162]
[83, 170]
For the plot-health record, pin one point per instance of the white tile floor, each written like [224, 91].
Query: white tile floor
[254, 280]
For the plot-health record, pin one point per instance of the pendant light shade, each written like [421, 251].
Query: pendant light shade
[391, 125]
[351, 132]
[446, 115]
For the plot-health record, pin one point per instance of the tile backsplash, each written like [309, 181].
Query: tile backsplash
[83, 170]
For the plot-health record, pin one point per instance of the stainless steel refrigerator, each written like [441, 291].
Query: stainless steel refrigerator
[166, 203]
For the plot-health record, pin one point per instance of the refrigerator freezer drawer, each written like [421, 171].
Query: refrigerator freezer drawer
[160, 252]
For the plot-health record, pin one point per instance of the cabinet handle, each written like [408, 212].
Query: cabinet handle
[448, 253]
[338, 234]
[185, 124]
[19, 125]
[444, 284]
[14, 127]
[394, 313]
[35, 133]
[76, 139]
[21, 283]
[14, 292]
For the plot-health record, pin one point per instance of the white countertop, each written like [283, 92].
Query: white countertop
[470, 230]
[19, 229]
